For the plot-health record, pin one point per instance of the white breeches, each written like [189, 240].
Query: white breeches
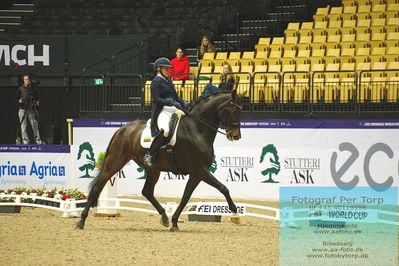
[164, 118]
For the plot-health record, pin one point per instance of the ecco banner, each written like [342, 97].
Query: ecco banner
[34, 166]
[32, 54]
[271, 154]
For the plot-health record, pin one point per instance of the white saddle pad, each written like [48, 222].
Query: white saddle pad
[146, 139]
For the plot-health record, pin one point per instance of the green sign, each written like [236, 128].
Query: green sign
[98, 81]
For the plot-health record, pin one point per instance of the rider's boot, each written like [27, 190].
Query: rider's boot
[157, 142]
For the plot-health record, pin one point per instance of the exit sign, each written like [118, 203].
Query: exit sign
[98, 81]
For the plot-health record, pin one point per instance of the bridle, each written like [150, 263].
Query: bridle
[225, 123]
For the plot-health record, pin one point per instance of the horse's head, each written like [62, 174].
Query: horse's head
[231, 117]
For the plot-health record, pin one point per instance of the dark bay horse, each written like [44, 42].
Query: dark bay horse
[193, 153]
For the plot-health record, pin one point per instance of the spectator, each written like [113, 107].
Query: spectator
[206, 46]
[180, 65]
[227, 82]
[28, 101]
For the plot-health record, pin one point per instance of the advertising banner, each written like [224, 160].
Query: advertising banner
[34, 166]
[41, 55]
[271, 154]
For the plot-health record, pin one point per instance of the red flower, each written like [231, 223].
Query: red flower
[66, 196]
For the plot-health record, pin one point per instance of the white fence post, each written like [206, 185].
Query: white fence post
[109, 191]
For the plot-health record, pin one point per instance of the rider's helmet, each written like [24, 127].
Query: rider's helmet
[162, 61]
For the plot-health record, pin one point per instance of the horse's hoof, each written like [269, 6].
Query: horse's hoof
[236, 219]
[79, 225]
[165, 221]
[174, 229]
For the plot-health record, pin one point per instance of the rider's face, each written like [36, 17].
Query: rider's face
[164, 71]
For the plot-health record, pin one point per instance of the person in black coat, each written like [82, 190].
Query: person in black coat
[165, 103]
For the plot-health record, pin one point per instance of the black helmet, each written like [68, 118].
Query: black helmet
[162, 62]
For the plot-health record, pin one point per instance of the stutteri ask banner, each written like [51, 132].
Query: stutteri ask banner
[270, 154]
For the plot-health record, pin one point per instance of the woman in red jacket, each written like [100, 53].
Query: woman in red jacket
[180, 64]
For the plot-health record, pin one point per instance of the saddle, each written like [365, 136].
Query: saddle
[146, 138]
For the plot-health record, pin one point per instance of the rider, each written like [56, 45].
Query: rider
[165, 103]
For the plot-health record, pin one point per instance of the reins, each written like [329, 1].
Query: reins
[212, 125]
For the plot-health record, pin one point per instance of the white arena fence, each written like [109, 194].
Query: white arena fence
[71, 207]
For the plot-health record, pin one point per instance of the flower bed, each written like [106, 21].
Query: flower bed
[58, 194]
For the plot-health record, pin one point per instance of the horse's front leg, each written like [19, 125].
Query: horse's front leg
[192, 183]
[208, 178]
[148, 192]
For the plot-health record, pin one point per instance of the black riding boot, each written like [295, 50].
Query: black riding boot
[157, 142]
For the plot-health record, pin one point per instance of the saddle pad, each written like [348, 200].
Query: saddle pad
[146, 138]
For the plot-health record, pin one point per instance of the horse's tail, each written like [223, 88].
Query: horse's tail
[98, 182]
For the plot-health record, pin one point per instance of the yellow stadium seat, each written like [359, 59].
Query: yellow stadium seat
[305, 46]
[363, 66]
[273, 61]
[349, 3]
[334, 38]
[318, 52]
[307, 25]
[201, 86]
[349, 24]
[208, 56]
[392, 51]
[259, 91]
[233, 62]
[206, 69]
[289, 53]
[244, 83]
[336, 10]
[378, 22]
[247, 68]
[364, 9]
[274, 68]
[349, 9]
[303, 53]
[187, 91]
[320, 25]
[319, 39]
[275, 54]
[393, 21]
[363, 37]
[278, 40]
[393, 36]
[333, 52]
[264, 41]
[335, 24]
[378, 8]
[360, 16]
[366, 23]
[291, 40]
[391, 58]
[348, 38]
[305, 39]
[260, 68]
[248, 55]
[218, 69]
[292, 29]
[393, 65]
[221, 55]
[379, 65]
[235, 68]
[261, 54]
[321, 13]
[235, 55]
[256, 61]
[147, 92]
[378, 51]
[350, 52]
[393, 7]
[378, 36]
[218, 62]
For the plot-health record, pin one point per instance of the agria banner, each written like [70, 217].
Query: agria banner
[271, 154]
[34, 166]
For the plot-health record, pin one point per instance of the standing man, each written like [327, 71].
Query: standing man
[28, 101]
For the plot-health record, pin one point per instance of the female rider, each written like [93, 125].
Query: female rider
[165, 103]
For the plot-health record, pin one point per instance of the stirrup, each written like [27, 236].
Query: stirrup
[148, 159]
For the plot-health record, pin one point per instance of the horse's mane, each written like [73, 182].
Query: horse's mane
[200, 99]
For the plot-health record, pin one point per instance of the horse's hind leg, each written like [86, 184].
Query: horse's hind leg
[192, 183]
[148, 192]
[114, 161]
